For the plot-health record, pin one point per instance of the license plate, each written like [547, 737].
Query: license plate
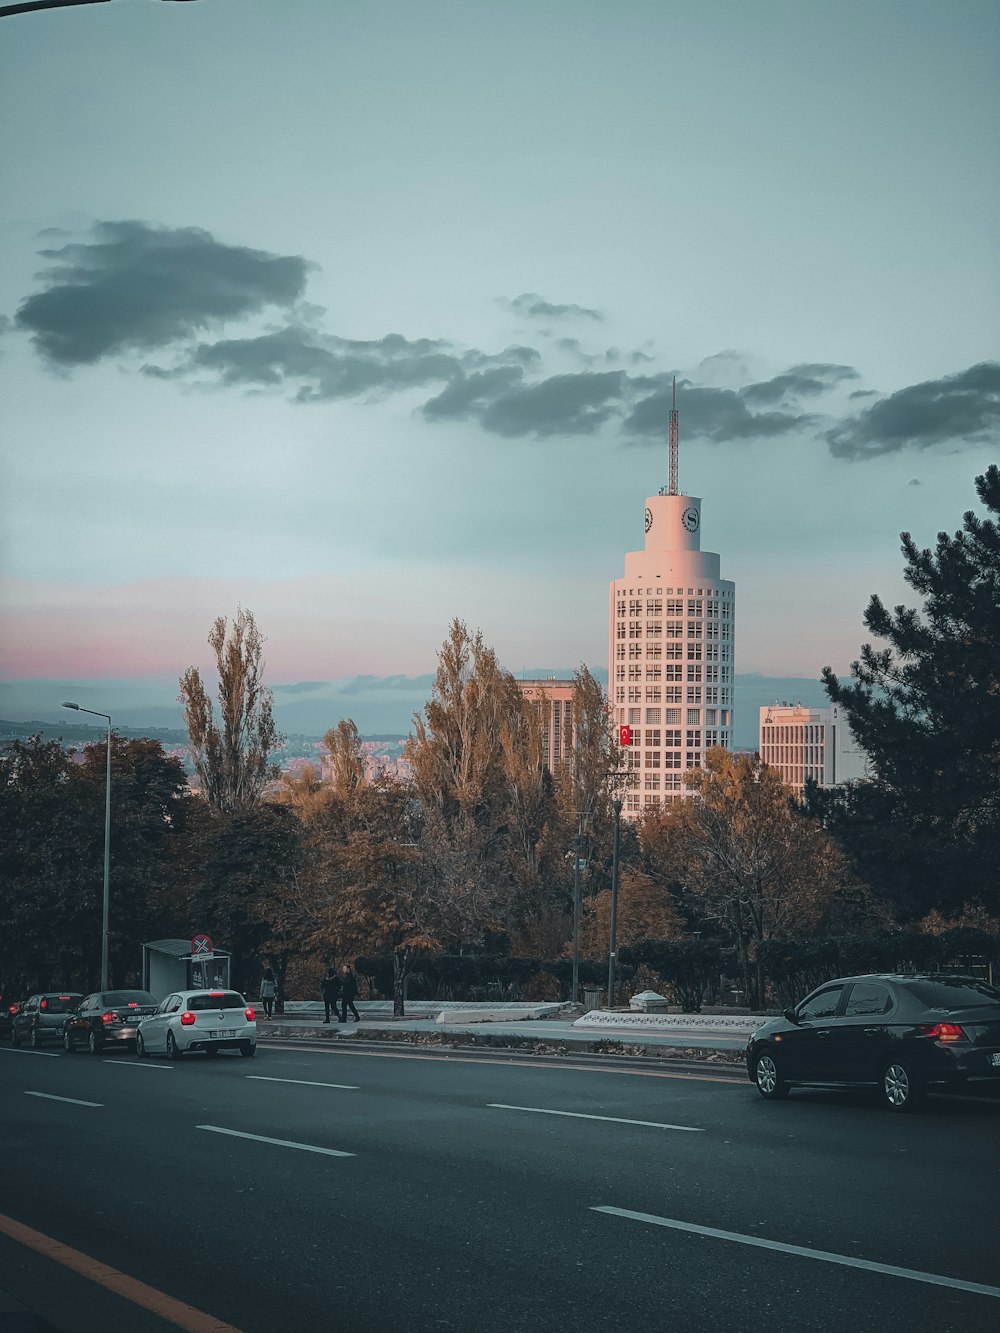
[995, 1058]
[223, 1032]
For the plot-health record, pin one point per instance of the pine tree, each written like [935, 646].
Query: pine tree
[925, 828]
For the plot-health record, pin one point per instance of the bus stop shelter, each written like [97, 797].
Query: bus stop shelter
[169, 965]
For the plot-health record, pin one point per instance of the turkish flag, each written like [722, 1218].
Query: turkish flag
[624, 735]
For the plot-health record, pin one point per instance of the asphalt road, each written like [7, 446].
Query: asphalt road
[349, 1190]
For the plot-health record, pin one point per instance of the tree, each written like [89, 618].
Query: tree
[758, 865]
[644, 912]
[347, 761]
[232, 759]
[926, 710]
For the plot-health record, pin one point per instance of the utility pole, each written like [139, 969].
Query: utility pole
[612, 956]
[577, 848]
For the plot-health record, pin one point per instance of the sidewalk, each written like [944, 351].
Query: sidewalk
[717, 1039]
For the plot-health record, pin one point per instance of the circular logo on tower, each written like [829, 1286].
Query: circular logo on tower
[649, 518]
[690, 519]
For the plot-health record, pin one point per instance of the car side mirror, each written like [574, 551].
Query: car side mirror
[790, 1015]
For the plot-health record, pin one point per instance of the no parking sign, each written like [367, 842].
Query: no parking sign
[202, 947]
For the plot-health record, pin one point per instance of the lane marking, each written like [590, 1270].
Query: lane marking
[17, 1050]
[826, 1256]
[139, 1064]
[175, 1312]
[580, 1115]
[281, 1143]
[487, 1060]
[51, 1097]
[304, 1082]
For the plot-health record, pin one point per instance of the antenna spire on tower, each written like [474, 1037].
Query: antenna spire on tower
[672, 488]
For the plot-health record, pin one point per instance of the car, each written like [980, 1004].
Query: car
[199, 1020]
[41, 1017]
[8, 1008]
[108, 1017]
[902, 1033]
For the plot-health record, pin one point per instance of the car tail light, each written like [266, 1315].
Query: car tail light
[133, 1004]
[12, 1009]
[943, 1031]
[187, 1018]
[44, 1004]
[249, 1014]
[216, 994]
[110, 1017]
[65, 997]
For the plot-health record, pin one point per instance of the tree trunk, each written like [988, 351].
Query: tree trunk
[400, 967]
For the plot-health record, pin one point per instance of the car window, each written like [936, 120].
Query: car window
[173, 1004]
[953, 992]
[823, 1005]
[60, 1004]
[868, 997]
[216, 1000]
[126, 997]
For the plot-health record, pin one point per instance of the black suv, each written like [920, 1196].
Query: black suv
[41, 1017]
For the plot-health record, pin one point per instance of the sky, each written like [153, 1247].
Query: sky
[364, 317]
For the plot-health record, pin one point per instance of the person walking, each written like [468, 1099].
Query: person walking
[331, 992]
[268, 990]
[348, 990]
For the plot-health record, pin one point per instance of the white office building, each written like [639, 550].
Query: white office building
[671, 648]
[810, 743]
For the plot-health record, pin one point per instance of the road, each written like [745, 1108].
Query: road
[328, 1189]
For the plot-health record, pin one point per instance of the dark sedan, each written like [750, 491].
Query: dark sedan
[902, 1033]
[108, 1017]
[8, 1008]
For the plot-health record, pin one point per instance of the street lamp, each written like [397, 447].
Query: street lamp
[612, 955]
[107, 842]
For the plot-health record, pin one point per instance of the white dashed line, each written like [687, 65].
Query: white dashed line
[51, 1097]
[139, 1064]
[868, 1265]
[279, 1143]
[16, 1050]
[580, 1115]
[303, 1082]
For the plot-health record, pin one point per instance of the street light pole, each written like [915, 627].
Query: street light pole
[612, 956]
[105, 983]
[576, 913]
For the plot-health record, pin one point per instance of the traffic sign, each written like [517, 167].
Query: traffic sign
[202, 947]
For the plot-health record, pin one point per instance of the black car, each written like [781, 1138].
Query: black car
[8, 1008]
[41, 1017]
[107, 1017]
[901, 1033]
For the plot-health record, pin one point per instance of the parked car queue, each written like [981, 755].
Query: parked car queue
[207, 1021]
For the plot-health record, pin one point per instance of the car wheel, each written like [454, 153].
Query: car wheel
[248, 1048]
[33, 1039]
[173, 1050]
[767, 1076]
[68, 1046]
[140, 1046]
[900, 1090]
[15, 1040]
[94, 1043]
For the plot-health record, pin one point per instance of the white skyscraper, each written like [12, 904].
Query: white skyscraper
[671, 648]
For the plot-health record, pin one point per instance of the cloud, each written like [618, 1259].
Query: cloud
[536, 307]
[961, 407]
[130, 286]
[803, 381]
[713, 414]
[302, 687]
[863, 393]
[914, 481]
[469, 395]
[559, 405]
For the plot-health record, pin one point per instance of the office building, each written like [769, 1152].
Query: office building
[810, 744]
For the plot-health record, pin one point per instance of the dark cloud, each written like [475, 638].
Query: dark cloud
[864, 393]
[536, 307]
[962, 407]
[130, 287]
[914, 481]
[803, 381]
[713, 414]
[468, 395]
[822, 370]
[559, 405]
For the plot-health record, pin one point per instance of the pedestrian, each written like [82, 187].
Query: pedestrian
[348, 990]
[268, 990]
[331, 992]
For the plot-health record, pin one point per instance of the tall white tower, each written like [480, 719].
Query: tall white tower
[671, 647]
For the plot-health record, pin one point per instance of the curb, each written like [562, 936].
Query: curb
[604, 1046]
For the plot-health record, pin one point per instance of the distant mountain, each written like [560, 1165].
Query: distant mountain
[380, 706]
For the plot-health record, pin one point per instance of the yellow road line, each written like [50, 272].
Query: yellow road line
[175, 1312]
[488, 1060]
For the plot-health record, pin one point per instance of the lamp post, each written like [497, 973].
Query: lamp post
[576, 910]
[612, 955]
[107, 842]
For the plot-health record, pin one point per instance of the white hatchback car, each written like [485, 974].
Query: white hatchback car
[198, 1020]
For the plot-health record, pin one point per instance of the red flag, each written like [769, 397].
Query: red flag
[624, 735]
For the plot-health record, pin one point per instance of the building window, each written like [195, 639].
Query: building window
[675, 629]
[653, 672]
[635, 629]
[634, 652]
[693, 695]
[653, 738]
[672, 671]
[652, 782]
[620, 652]
[653, 629]
[695, 628]
[672, 694]
[693, 740]
[652, 758]
[634, 694]
[672, 782]
[694, 673]
[675, 608]
[693, 716]
[652, 694]
[694, 652]
[635, 608]
[672, 739]
[672, 715]
[654, 608]
[671, 758]
[635, 673]
[711, 717]
[711, 738]
[692, 761]
[634, 716]
[652, 717]
[694, 608]
[675, 651]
